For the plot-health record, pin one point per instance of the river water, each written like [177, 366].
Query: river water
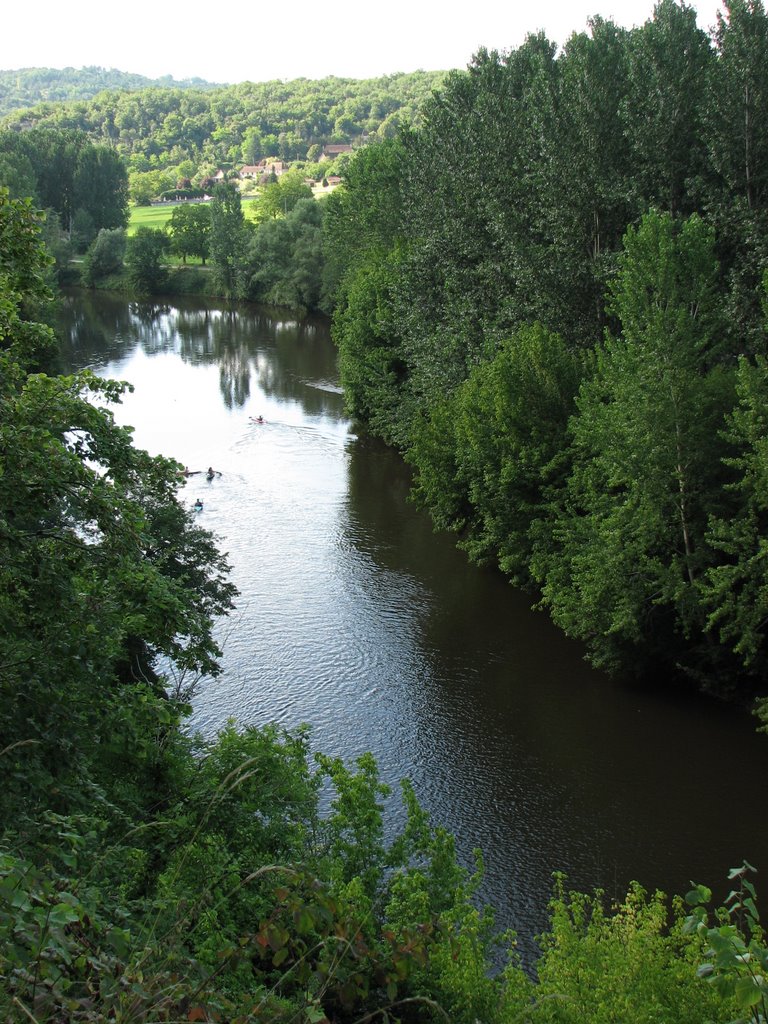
[356, 618]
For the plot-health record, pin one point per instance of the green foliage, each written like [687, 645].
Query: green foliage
[190, 230]
[630, 964]
[738, 101]
[103, 571]
[592, 170]
[365, 213]
[669, 67]
[278, 198]
[633, 516]
[371, 363]
[105, 256]
[240, 899]
[144, 186]
[285, 258]
[509, 207]
[228, 239]
[25, 294]
[74, 176]
[145, 260]
[26, 87]
[165, 124]
[58, 245]
[736, 954]
[503, 430]
[354, 832]
[735, 589]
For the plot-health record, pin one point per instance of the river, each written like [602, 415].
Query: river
[355, 617]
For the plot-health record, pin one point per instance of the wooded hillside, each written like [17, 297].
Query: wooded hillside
[26, 87]
[155, 128]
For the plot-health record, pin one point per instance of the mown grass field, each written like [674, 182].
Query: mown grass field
[158, 216]
[148, 217]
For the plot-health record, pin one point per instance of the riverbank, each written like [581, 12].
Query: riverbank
[189, 280]
[355, 616]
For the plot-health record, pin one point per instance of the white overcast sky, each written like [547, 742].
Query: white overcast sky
[260, 40]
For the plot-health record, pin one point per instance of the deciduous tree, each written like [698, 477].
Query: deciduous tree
[190, 230]
[144, 260]
[102, 571]
[645, 448]
[735, 588]
[228, 238]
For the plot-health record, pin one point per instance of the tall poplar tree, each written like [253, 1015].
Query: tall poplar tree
[228, 239]
[737, 139]
[670, 59]
[736, 588]
[645, 443]
[593, 198]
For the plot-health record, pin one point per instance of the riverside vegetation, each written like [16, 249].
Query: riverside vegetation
[556, 312]
[565, 337]
[146, 875]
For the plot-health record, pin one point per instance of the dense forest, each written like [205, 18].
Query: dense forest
[551, 300]
[27, 87]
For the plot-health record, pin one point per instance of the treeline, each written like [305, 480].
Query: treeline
[551, 300]
[28, 87]
[146, 875]
[274, 257]
[82, 187]
[168, 135]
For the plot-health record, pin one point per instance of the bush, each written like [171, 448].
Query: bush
[105, 256]
[145, 254]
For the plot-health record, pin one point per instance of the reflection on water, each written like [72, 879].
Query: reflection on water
[99, 328]
[355, 617]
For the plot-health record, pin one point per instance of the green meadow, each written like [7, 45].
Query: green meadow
[148, 217]
[158, 216]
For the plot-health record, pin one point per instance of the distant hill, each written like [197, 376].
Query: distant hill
[170, 133]
[26, 87]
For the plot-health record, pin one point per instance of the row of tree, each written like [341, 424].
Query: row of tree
[550, 298]
[276, 258]
[84, 184]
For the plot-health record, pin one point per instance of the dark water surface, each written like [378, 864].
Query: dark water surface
[355, 617]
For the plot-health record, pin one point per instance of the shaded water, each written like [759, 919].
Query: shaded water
[355, 617]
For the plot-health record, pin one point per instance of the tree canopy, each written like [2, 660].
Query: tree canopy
[542, 293]
[63, 170]
[104, 571]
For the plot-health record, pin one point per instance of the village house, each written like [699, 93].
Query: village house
[330, 152]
